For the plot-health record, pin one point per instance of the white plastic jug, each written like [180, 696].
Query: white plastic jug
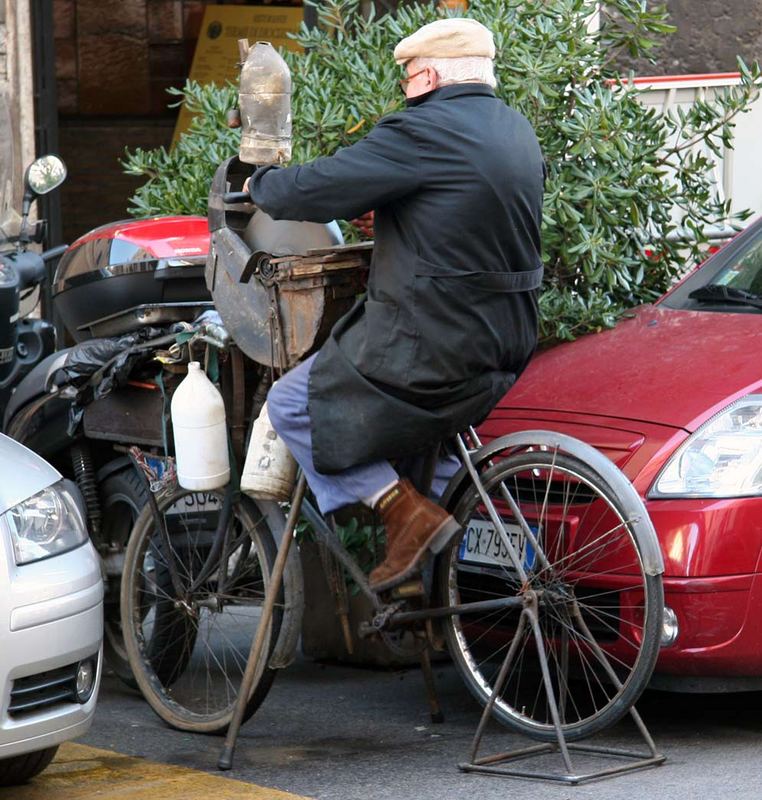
[270, 470]
[201, 440]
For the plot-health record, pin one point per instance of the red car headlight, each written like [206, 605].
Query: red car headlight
[723, 458]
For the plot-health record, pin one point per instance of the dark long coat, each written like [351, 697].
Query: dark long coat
[450, 317]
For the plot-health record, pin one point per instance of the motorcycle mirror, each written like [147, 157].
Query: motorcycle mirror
[45, 174]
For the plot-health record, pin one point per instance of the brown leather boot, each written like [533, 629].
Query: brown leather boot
[413, 526]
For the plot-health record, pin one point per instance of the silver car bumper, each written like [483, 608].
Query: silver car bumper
[51, 618]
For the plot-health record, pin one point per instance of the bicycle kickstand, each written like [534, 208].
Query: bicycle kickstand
[225, 761]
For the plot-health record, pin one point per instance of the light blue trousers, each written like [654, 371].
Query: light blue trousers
[289, 414]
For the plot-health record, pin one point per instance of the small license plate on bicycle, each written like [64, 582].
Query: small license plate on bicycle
[483, 545]
[194, 503]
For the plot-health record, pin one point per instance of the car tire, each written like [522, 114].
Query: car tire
[123, 495]
[19, 769]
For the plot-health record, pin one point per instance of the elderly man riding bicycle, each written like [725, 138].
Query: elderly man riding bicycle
[450, 316]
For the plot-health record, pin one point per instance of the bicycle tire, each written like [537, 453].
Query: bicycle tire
[188, 653]
[620, 604]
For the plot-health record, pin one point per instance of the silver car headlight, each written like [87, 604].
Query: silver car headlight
[723, 458]
[47, 524]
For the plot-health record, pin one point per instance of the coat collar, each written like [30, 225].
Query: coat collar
[453, 90]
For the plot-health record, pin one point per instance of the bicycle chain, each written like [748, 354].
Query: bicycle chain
[399, 641]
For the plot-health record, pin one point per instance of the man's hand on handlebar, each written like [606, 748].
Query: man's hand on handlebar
[365, 224]
[234, 198]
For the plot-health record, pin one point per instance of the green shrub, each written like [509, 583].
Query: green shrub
[621, 177]
[178, 180]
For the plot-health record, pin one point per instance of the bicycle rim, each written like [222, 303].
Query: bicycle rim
[598, 612]
[188, 651]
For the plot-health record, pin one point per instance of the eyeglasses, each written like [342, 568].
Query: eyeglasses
[405, 81]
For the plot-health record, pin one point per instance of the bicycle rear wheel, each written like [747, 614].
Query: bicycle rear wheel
[599, 610]
[188, 649]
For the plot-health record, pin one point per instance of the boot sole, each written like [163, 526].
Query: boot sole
[437, 542]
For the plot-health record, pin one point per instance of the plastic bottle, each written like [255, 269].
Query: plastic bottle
[201, 440]
[270, 470]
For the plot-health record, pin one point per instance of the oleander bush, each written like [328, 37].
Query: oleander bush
[623, 179]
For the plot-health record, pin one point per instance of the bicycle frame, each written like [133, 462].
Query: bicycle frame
[387, 617]
[468, 490]
[475, 460]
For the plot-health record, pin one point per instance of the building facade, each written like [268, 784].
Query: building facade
[17, 140]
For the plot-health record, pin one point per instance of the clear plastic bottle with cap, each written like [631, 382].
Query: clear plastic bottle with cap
[200, 432]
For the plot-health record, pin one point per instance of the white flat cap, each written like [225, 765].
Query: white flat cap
[455, 37]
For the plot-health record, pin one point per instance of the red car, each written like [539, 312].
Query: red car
[673, 395]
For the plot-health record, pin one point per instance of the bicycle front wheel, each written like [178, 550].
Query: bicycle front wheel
[188, 645]
[598, 611]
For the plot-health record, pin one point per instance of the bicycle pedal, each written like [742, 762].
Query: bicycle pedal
[411, 588]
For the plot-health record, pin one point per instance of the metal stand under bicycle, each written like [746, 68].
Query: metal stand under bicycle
[493, 764]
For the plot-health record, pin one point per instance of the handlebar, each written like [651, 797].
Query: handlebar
[54, 252]
[236, 197]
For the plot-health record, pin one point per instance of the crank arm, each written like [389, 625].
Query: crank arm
[398, 619]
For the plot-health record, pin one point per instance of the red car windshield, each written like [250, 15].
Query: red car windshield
[745, 271]
[730, 281]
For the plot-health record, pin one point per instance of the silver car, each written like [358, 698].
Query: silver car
[51, 614]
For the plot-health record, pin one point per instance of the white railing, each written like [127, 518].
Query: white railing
[738, 173]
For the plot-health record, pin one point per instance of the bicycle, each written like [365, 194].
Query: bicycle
[550, 602]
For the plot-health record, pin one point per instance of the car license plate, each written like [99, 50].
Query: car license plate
[483, 545]
[194, 503]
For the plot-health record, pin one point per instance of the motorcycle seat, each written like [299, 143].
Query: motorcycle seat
[38, 382]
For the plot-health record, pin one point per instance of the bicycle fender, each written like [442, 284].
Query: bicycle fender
[653, 561]
[284, 652]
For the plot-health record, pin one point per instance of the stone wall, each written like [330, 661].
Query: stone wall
[17, 114]
[97, 190]
[115, 60]
[3, 46]
[710, 34]
[6, 132]
[118, 57]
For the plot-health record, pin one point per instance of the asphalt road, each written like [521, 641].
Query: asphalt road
[335, 732]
